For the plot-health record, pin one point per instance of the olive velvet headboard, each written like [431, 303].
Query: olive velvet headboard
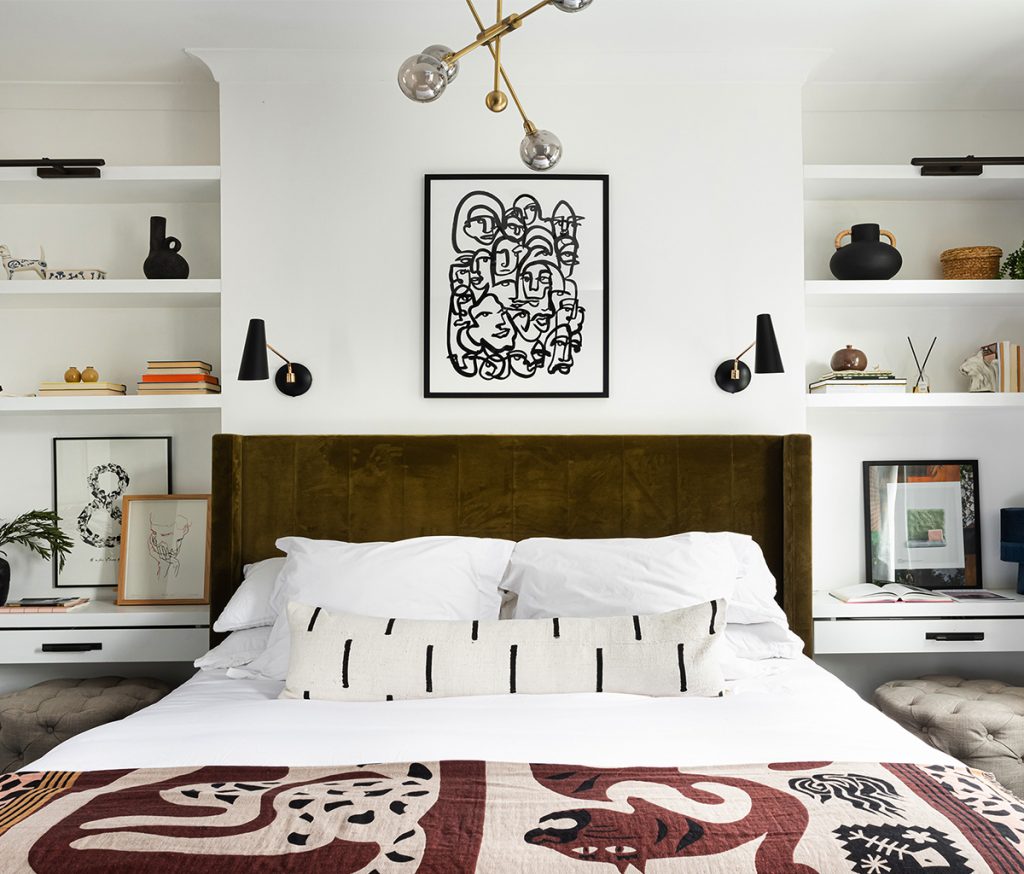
[364, 488]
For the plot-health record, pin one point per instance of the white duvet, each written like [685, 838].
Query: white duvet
[794, 711]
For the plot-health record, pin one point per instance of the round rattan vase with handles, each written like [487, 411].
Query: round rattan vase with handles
[865, 256]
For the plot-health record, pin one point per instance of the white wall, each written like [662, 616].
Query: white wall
[322, 226]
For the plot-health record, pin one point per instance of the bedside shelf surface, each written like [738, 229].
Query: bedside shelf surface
[104, 614]
[827, 608]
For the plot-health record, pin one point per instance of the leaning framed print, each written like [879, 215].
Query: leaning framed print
[922, 526]
[165, 550]
[90, 477]
[515, 286]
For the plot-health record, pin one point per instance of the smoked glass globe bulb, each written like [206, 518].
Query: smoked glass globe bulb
[440, 52]
[540, 150]
[571, 5]
[423, 78]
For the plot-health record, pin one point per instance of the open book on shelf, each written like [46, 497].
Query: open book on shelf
[869, 593]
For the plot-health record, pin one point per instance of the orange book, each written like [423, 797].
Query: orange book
[180, 377]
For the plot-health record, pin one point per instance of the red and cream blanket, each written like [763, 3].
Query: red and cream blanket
[454, 817]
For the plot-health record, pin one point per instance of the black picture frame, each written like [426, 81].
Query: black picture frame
[533, 180]
[939, 546]
[56, 494]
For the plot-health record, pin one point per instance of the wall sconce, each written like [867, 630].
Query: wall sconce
[734, 376]
[1011, 546]
[293, 379]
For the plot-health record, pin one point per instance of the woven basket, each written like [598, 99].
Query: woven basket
[971, 262]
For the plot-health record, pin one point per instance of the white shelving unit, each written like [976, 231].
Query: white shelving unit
[866, 182]
[157, 184]
[110, 404]
[109, 293]
[910, 401]
[916, 292]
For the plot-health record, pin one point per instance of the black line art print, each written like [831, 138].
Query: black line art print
[514, 308]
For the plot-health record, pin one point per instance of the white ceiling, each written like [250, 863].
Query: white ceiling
[932, 41]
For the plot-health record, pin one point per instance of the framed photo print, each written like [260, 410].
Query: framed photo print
[516, 286]
[922, 524]
[165, 550]
[90, 477]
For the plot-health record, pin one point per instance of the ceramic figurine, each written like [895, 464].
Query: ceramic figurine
[866, 256]
[983, 374]
[89, 273]
[163, 262]
[72, 375]
[90, 374]
[16, 265]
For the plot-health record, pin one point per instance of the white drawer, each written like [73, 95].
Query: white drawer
[851, 636]
[61, 646]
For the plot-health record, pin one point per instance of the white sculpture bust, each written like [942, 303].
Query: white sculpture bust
[983, 375]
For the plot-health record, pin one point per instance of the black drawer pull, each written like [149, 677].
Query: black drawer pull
[71, 647]
[954, 635]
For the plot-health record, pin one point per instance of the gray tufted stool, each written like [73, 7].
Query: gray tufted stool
[34, 720]
[979, 722]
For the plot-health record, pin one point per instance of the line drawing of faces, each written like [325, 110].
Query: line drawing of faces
[479, 219]
[514, 310]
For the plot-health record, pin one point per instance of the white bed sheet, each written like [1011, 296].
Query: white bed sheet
[796, 711]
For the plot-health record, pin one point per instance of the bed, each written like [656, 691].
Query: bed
[788, 772]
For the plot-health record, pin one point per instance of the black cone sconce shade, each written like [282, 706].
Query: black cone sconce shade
[292, 379]
[733, 375]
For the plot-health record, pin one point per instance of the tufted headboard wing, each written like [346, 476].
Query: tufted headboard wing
[363, 488]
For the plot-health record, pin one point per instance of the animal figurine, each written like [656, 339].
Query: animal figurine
[983, 375]
[15, 265]
[76, 274]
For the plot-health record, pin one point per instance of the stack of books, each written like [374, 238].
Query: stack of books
[43, 605]
[852, 381]
[80, 389]
[178, 378]
[1005, 357]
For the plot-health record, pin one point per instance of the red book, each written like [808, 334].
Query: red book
[181, 377]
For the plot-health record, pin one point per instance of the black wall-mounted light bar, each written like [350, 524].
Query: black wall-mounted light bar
[969, 165]
[59, 168]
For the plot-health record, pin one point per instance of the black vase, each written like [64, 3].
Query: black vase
[163, 262]
[866, 256]
[5, 580]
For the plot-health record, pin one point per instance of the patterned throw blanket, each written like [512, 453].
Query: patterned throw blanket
[454, 817]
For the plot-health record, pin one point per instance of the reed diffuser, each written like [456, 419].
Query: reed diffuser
[923, 384]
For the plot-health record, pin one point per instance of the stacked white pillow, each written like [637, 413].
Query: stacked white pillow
[419, 578]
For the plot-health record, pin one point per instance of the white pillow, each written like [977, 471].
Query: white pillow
[763, 640]
[419, 578]
[249, 606]
[553, 577]
[237, 649]
[339, 657]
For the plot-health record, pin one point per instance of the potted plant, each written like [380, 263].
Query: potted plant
[39, 530]
[1013, 265]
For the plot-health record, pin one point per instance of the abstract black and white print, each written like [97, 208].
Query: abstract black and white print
[516, 286]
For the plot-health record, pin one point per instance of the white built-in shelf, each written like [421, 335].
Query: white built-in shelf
[903, 182]
[158, 184]
[126, 404]
[108, 293]
[828, 608]
[909, 400]
[916, 292]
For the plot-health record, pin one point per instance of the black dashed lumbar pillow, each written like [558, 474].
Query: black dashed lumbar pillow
[342, 657]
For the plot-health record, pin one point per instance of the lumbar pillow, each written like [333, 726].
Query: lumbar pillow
[422, 577]
[362, 658]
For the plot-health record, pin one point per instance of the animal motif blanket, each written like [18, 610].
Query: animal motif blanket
[453, 817]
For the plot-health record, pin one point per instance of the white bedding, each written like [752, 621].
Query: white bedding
[796, 712]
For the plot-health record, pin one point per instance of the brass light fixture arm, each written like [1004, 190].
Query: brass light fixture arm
[527, 124]
[495, 31]
[736, 361]
[290, 375]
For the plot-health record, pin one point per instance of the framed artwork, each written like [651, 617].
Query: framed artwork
[516, 286]
[922, 523]
[165, 550]
[90, 477]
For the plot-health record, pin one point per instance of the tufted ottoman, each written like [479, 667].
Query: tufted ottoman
[34, 720]
[979, 722]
